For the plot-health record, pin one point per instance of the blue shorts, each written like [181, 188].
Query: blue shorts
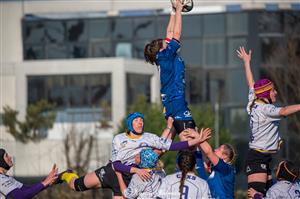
[178, 109]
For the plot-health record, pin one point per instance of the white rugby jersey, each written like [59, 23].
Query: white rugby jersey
[124, 149]
[140, 189]
[284, 190]
[194, 187]
[8, 184]
[264, 125]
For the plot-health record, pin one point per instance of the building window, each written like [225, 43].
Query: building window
[191, 52]
[237, 24]
[70, 91]
[270, 22]
[138, 85]
[214, 53]
[214, 25]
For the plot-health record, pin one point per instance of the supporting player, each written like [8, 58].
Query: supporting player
[125, 147]
[219, 166]
[163, 53]
[264, 124]
[285, 187]
[11, 188]
[185, 183]
[144, 189]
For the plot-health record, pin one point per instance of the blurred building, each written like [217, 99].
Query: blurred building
[81, 54]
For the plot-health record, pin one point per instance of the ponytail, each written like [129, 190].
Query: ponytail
[186, 163]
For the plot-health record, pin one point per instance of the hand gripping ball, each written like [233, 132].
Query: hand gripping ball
[187, 5]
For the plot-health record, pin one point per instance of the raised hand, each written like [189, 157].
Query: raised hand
[246, 57]
[205, 134]
[179, 5]
[50, 179]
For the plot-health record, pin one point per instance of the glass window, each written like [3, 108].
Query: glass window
[270, 22]
[292, 23]
[99, 28]
[214, 52]
[77, 30]
[237, 90]
[101, 49]
[214, 24]
[33, 32]
[162, 23]
[36, 89]
[233, 45]
[191, 52]
[32, 52]
[138, 48]
[134, 91]
[237, 23]
[191, 26]
[273, 47]
[122, 28]
[71, 91]
[55, 31]
[143, 28]
[56, 51]
[194, 85]
[78, 50]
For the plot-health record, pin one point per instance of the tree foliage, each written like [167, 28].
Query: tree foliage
[39, 117]
[155, 123]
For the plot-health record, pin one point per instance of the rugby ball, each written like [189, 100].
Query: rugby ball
[187, 5]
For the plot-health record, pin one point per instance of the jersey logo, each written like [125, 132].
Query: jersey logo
[263, 166]
[187, 114]
[123, 144]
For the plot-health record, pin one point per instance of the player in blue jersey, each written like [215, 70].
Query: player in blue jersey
[125, 147]
[220, 169]
[163, 53]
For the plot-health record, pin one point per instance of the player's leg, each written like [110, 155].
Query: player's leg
[257, 165]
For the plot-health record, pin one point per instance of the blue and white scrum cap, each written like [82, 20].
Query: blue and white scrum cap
[148, 159]
[130, 118]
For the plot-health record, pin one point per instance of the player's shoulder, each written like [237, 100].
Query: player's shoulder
[3, 177]
[147, 134]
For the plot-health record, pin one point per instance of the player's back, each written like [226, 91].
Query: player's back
[194, 187]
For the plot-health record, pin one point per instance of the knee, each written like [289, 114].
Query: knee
[258, 186]
[79, 184]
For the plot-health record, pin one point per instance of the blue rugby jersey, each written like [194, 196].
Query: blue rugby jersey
[172, 79]
[221, 181]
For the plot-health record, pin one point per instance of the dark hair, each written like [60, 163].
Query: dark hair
[287, 171]
[186, 163]
[151, 49]
[230, 152]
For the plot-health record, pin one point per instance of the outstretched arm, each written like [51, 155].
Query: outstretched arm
[246, 58]
[209, 152]
[178, 21]
[288, 110]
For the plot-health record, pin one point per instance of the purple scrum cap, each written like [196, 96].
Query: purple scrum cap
[262, 88]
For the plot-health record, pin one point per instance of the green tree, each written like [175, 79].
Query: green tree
[39, 117]
[156, 123]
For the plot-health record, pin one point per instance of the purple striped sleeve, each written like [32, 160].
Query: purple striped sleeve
[179, 146]
[26, 192]
[118, 166]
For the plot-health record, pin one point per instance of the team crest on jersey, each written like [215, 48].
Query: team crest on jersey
[263, 166]
[187, 114]
[143, 144]
[123, 144]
